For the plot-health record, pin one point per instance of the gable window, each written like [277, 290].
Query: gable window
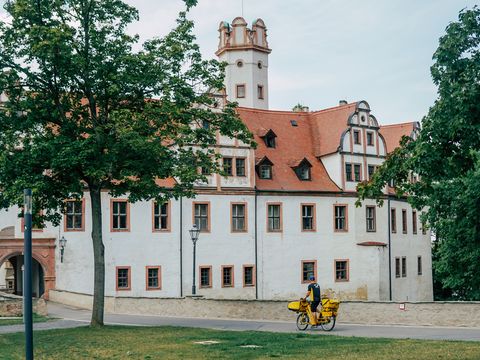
[260, 92]
[239, 218]
[240, 166]
[274, 217]
[309, 269]
[348, 172]
[419, 265]
[248, 275]
[240, 91]
[74, 215]
[414, 221]
[201, 216]
[120, 215]
[227, 166]
[393, 220]
[227, 276]
[397, 267]
[340, 213]
[308, 217]
[153, 278]
[370, 215]
[123, 278]
[205, 276]
[356, 175]
[341, 270]
[404, 221]
[160, 216]
[370, 138]
[356, 137]
[357, 171]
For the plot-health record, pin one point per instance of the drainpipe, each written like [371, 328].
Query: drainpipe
[256, 248]
[181, 246]
[389, 251]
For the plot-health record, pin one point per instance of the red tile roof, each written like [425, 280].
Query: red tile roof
[393, 134]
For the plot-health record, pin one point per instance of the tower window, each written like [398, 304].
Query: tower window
[239, 63]
[260, 91]
[260, 65]
[240, 91]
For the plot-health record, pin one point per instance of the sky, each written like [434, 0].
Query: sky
[327, 50]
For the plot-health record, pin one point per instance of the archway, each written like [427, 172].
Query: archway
[38, 275]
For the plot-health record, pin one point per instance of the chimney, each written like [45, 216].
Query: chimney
[342, 102]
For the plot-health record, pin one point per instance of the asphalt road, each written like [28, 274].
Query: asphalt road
[77, 317]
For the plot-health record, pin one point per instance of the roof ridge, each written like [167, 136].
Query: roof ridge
[398, 124]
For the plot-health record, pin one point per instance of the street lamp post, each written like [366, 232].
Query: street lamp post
[27, 287]
[62, 243]
[194, 232]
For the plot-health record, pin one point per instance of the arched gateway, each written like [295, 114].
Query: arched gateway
[43, 252]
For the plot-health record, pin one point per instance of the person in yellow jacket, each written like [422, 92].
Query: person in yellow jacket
[313, 292]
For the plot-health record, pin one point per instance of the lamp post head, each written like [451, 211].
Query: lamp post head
[62, 242]
[194, 232]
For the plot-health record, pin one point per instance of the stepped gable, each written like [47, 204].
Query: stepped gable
[393, 133]
[293, 144]
[328, 126]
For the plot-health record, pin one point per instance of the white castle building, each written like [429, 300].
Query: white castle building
[285, 212]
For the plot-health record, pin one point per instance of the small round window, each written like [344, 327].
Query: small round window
[239, 63]
[260, 65]
[363, 118]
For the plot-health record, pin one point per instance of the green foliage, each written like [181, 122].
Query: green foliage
[446, 156]
[85, 109]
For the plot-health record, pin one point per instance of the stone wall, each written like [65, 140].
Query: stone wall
[11, 305]
[466, 314]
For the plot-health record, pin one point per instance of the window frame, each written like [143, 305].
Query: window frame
[414, 222]
[393, 220]
[345, 229]
[65, 220]
[359, 167]
[419, 265]
[270, 171]
[398, 268]
[129, 278]
[314, 217]
[244, 166]
[115, 200]
[253, 275]
[302, 278]
[237, 86]
[169, 211]
[355, 138]
[151, 288]
[209, 267]
[245, 217]
[209, 228]
[374, 218]
[404, 266]
[230, 172]
[260, 92]
[347, 270]
[372, 134]
[280, 229]
[232, 276]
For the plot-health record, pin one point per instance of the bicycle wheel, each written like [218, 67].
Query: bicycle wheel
[329, 325]
[302, 321]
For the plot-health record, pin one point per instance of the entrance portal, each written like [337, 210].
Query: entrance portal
[38, 276]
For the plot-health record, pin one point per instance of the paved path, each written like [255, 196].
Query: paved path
[73, 317]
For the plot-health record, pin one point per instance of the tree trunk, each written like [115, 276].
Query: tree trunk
[98, 257]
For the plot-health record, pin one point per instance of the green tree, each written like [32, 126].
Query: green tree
[446, 155]
[87, 112]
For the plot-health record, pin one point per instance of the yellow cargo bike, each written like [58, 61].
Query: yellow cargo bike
[326, 319]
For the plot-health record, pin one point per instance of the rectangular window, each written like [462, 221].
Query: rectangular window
[227, 276]
[205, 170]
[160, 216]
[371, 221]
[341, 270]
[227, 166]
[419, 265]
[248, 275]
[397, 267]
[356, 137]
[274, 214]
[201, 216]
[260, 91]
[393, 220]
[153, 277]
[205, 276]
[340, 213]
[404, 266]
[74, 215]
[123, 277]
[240, 91]
[239, 223]
[370, 138]
[120, 215]
[348, 172]
[308, 217]
[414, 221]
[371, 170]
[424, 225]
[240, 167]
[265, 172]
[309, 269]
[357, 171]
[404, 221]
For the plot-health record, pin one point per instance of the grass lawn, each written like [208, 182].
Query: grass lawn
[122, 342]
[36, 318]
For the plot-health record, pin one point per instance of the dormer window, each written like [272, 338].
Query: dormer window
[269, 139]
[303, 170]
[264, 168]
